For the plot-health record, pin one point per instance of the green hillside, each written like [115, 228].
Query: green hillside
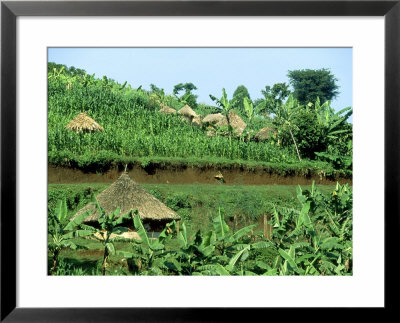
[136, 132]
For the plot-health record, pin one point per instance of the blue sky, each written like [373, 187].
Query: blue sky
[210, 69]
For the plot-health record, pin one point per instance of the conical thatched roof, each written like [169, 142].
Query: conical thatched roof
[187, 112]
[236, 122]
[167, 110]
[264, 133]
[83, 122]
[128, 195]
[197, 121]
[216, 119]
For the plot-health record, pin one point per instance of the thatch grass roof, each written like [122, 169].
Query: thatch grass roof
[264, 133]
[128, 195]
[167, 110]
[236, 122]
[83, 122]
[197, 121]
[217, 119]
[187, 111]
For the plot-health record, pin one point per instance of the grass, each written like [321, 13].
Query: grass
[195, 203]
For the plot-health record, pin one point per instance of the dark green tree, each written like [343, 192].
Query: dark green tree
[238, 97]
[187, 97]
[273, 98]
[308, 85]
[309, 134]
[155, 89]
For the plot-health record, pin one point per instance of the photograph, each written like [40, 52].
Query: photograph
[206, 161]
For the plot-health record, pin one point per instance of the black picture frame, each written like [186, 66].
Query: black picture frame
[10, 10]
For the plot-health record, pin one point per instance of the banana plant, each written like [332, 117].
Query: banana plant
[223, 102]
[248, 107]
[195, 251]
[318, 238]
[149, 255]
[285, 114]
[110, 224]
[330, 120]
[226, 107]
[62, 232]
[235, 264]
[233, 249]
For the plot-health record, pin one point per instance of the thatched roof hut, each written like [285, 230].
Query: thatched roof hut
[83, 122]
[236, 122]
[216, 119]
[197, 121]
[128, 195]
[187, 112]
[167, 110]
[264, 133]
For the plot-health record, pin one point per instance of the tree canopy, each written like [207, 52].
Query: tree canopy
[238, 97]
[308, 85]
[273, 98]
[188, 97]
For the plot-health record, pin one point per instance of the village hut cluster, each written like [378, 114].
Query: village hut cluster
[215, 121]
[128, 195]
[82, 122]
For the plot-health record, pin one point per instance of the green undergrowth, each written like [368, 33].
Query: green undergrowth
[102, 161]
[196, 204]
[221, 233]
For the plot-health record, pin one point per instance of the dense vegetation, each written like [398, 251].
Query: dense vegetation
[134, 130]
[312, 236]
[224, 229]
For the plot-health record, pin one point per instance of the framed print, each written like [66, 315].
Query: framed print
[213, 231]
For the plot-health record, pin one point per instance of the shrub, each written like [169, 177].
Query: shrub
[178, 201]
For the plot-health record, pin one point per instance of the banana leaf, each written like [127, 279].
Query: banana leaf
[77, 221]
[141, 230]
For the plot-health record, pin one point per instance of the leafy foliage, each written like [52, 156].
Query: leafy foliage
[241, 93]
[109, 224]
[273, 98]
[308, 133]
[308, 85]
[62, 232]
[187, 97]
[312, 239]
[316, 240]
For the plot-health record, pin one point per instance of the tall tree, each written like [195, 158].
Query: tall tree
[187, 97]
[273, 98]
[308, 85]
[238, 97]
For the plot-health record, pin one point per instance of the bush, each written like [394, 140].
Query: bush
[178, 201]
[309, 136]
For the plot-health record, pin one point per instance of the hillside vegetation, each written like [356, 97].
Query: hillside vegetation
[136, 132]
